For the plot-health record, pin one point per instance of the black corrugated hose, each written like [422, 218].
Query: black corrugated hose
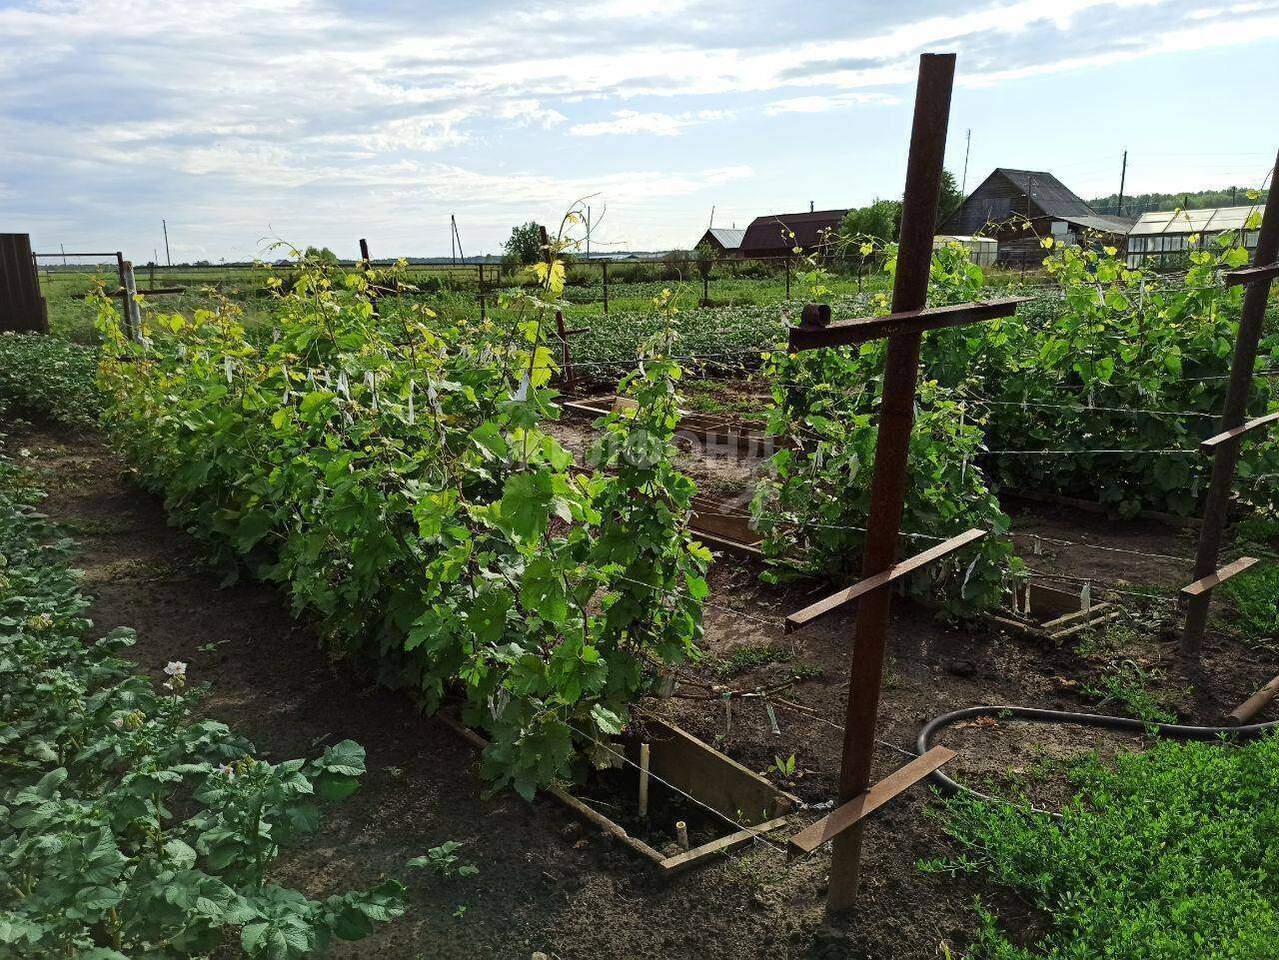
[1173, 731]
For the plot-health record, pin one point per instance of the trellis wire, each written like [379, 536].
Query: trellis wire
[755, 834]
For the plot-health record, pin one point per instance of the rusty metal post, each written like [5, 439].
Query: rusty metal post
[1217, 503]
[605, 266]
[888, 488]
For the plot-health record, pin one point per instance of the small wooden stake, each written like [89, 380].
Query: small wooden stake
[643, 780]
[1256, 703]
[681, 833]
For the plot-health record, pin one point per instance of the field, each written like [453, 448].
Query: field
[347, 520]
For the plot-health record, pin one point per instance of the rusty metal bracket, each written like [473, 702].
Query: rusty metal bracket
[863, 330]
[1246, 275]
[898, 570]
[1205, 584]
[864, 804]
[1210, 445]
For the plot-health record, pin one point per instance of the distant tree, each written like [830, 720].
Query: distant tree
[950, 199]
[525, 244]
[879, 221]
[1137, 204]
[322, 254]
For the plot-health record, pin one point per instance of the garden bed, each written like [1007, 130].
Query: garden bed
[545, 882]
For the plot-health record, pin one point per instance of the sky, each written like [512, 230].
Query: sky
[313, 122]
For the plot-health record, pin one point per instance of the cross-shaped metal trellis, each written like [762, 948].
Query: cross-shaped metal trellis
[1225, 445]
[903, 329]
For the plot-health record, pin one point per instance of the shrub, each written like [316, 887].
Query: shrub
[393, 474]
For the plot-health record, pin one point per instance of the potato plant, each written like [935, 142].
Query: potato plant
[130, 828]
[390, 470]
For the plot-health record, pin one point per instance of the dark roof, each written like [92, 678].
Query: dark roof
[1008, 193]
[728, 238]
[1048, 193]
[768, 233]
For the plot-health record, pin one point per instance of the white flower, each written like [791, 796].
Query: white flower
[176, 668]
[227, 771]
[117, 722]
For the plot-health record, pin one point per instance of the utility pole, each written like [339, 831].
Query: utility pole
[711, 225]
[457, 236]
[588, 231]
[1123, 174]
[63, 248]
[968, 143]
[167, 259]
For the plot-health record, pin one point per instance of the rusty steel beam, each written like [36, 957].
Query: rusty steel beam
[863, 805]
[1252, 274]
[888, 487]
[1207, 446]
[1217, 502]
[1205, 584]
[907, 321]
[898, 570]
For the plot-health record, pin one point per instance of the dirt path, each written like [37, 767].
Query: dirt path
[546, 883]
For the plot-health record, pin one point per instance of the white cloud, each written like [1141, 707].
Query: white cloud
[658, 124]
[821, 104]
[525, 112]
[308, 112]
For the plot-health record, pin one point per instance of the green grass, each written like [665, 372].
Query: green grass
[749, 656]
[1255, 596]
[1163, 855]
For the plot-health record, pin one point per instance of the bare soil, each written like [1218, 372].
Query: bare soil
[548, 883]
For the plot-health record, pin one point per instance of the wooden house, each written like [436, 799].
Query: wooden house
[1018, 208]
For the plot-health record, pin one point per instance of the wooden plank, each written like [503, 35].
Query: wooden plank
[1080, 627]
[1222, 575]
[1252, 274]
[564, 797]
[689, 857]
[864, 804]
[1066, 619]
[735, 547]
[847, 332]
[898, 570]
[1208, 446]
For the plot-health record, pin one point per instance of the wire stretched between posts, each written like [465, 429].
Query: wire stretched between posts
[756, 834]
